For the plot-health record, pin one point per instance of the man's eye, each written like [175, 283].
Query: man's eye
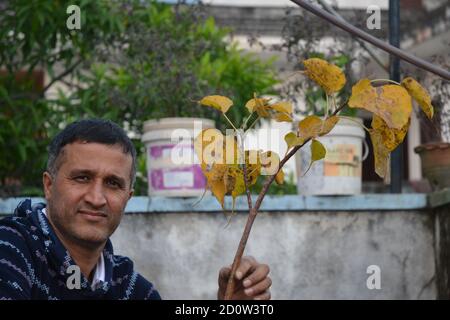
[82, 178]
[114, 183]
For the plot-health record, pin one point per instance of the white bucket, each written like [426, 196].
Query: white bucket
[172, 165]
[339, 173]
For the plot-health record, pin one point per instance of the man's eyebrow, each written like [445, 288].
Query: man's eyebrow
[81, 171]
[92, 173]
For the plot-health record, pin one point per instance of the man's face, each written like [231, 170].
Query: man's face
[88, 195]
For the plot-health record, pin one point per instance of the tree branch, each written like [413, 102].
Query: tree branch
[62, 75]
[254, 212]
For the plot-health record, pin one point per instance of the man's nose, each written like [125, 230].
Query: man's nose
[95, 196]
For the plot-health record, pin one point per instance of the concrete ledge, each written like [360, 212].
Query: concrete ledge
[378, 202]
[439, 198]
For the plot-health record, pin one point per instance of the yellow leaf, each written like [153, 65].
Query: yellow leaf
[282, 117]
[208, 146]
[231, 150]
[281, 111]
[381, 153]
[283, 106]
[234, 182]
[215, 181]
[279, 178]
[327, 75]
[218, 190]
[309, 127]
[220, 103]
[292, 140]
[253, 166]
[217, 153]
[318, 151]
[420, 94]
[390, 102]
[259, 105]
[390, 138]
[328, 125]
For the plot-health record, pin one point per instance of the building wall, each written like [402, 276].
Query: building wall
[312, 255]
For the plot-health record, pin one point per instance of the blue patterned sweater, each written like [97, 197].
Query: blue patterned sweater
[33, 264]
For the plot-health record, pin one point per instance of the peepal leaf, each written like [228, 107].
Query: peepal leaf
[259, 105]
[220, 103]
[282, 117]
[318, 152]
[313, 126]
[328, 125]
[390, 102]
[253, 165]
[218, 189]
[390, 138]
[381, 153]
[309, 127]
[420, 94]
[283, 106]
[327, 75]
[292, 140]
[279, 177]
[280, 111]
[217, 153]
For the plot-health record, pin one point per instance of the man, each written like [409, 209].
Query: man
[89, 179]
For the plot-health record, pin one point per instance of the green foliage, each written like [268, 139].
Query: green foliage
[131, 61]
[288, 187]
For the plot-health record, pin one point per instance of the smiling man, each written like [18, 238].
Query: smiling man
[89, 179]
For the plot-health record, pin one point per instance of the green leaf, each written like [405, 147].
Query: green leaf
[318, 151]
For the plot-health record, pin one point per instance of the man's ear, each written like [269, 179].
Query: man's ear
[47, 181]
[130, 194]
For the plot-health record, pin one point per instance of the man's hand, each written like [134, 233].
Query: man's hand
[252, 281]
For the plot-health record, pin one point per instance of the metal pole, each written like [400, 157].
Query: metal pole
[394, 74]
[371, 39]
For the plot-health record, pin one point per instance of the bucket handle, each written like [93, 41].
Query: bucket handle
[366, 151]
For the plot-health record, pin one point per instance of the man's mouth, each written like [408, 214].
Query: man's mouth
[99, 214]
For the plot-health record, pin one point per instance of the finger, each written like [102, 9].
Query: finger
[259, 288]
[265, 296]
[259, 274]
[247, 264]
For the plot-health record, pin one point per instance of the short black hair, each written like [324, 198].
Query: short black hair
[90, 130]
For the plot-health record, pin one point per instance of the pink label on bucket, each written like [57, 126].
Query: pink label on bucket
[164, 150]
[178, 179]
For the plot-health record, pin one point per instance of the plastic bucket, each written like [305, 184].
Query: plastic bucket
[172, 165]
[339, 173]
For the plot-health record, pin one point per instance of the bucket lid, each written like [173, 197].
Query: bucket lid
[176, 123]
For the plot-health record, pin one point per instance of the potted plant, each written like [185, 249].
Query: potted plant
[434, 152]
